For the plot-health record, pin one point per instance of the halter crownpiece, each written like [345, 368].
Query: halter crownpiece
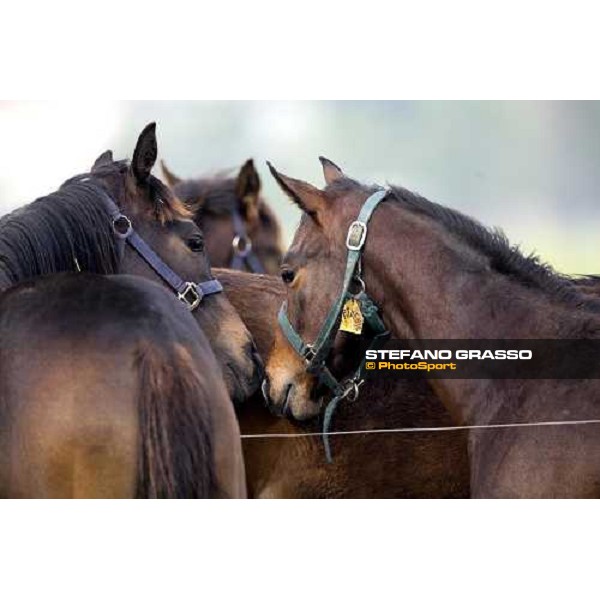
[316, 354]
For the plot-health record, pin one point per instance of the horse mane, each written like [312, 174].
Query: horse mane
[69, 229]
[504, 257]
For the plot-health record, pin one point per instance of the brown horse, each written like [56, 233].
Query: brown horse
[410, 465]
[109, 389]
[74, 229]
[437, 274]
[242, 232]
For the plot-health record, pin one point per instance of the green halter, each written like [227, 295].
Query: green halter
[316, 354]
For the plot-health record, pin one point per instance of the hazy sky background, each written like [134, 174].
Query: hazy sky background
[531, 168]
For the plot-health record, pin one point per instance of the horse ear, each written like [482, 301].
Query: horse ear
[310, 199]
[145, 153]
[169, 176]
[106, 158]
[247, 189]
[331, 171]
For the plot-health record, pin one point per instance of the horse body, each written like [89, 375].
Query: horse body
[436, 274]
[101, 395]
[413, 465]
[73, 230]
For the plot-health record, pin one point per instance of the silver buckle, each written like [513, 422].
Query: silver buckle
[122, 226]
[357, 233]
[309, 353]
[191, 295]
[242, 245]
[352, 390]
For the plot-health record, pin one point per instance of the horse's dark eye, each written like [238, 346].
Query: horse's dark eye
[287, 275]
[196, 244]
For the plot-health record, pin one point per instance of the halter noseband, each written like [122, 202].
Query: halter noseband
[190, 293]
[243, 256]
[316, 354]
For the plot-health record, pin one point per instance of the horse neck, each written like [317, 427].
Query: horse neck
[426, 294]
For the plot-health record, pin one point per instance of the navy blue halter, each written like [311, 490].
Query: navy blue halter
[190, 293]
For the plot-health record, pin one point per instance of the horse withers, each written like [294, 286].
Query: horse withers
[109, 389]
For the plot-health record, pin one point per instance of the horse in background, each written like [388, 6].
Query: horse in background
[109, 389]
[242, 231]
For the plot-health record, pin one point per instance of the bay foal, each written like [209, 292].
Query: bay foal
[437, 274]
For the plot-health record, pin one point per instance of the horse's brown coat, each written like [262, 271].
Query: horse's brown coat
[96, 403]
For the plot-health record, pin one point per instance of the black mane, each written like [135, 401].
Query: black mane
[70, 230]
[504, 257]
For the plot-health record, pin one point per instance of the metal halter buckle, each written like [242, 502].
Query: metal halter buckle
[357, 233]
[309, 353]
[242, 245]
[122, 226]
[191, 295]
[352, 391]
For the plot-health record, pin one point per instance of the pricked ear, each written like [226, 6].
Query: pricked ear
[331, 171]
[105, 159]
[145, 153]
[310, 199]
[247, 190]
[169, 176]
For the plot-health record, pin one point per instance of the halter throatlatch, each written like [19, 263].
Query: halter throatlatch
[188, 292]
[315, 354]
[244, 258]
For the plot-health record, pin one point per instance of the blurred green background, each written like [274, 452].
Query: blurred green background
[531, 168]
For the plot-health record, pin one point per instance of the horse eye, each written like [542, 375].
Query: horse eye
[196, 244]
[287, 275]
